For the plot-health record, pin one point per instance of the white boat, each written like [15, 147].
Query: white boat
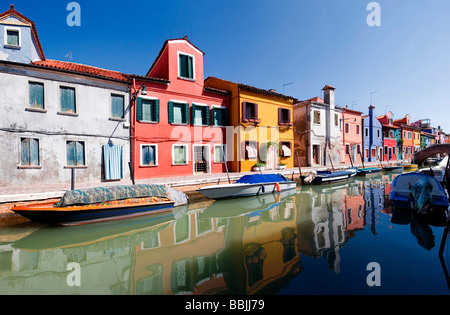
[250, 185]
[437, 172]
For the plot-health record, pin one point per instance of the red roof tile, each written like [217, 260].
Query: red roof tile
[82, 69]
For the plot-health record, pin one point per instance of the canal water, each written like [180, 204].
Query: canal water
[335, 239]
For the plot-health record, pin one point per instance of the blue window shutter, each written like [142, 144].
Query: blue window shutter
[80, 153]
[208, 116]
[170, 108]
[190, 67]
[64, 104]
[24, 153]
[32, 91]
[193, 114]
[72, 100]
[39, 90]
[70, 148]
[34, 152]
[139, 109]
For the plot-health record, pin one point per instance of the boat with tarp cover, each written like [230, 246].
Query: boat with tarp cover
[102, 204]
[250, 185]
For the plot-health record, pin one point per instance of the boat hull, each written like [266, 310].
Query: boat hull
[328, 179]
[392, 168]
[46, 213]
[368, 171]
[245, 190]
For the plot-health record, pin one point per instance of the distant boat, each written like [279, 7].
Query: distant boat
[410, 167]
[418, 192]
[368, 171]
[249, 185]
[102, 204]
[328, 177]
[437, 172]
[392, 168]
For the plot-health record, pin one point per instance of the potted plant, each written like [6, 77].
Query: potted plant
[282, 166]
[260, 167]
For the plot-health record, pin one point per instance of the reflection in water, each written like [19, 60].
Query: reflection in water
[245, 246]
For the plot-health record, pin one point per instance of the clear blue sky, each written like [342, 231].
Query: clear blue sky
[269, 43]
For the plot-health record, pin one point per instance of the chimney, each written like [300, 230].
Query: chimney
[328, 96]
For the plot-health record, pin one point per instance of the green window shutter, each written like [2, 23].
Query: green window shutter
[193, 109]
[139, 109]
[183, 66]
[80, 153]
[156, 113]
[207, 116]
[190, 67]
[70, 148]
[63, 93]
[71, 100]
[39, 88]
[186, 112]
[32, 94]
[170, 107]
[147, 108]
[24, 153]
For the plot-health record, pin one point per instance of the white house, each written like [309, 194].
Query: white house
[58, 116]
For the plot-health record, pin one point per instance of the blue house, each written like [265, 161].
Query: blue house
[372, 137]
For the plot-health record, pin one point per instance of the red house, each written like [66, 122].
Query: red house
[389, 137]
[178, 123]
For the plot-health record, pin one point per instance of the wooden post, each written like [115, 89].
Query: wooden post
[131, 172]
[298, 162]
[72, 179]
[351, 160]
[362, 159]
[329, 157]
[226, 165]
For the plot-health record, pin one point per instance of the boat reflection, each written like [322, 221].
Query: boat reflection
[245, 246]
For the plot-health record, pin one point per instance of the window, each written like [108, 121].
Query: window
[36, 95]
[286, 149]
[178, 113]
[347, 128]
[147, 110]
[374, 153]
[250, 112]
[366, 151]
[12, 38]
[68, 99]
[316, 118]
[251, 150]
[347, 149]
[284, 116]
[149, 155]
[200, 115]
[366, 132]
[385, 150]
[75, 153]
[336, 120]
[179, 155]
[409, 135]
[378, 133]
[358, 129]
[220, 153]
[393, 150]
[219, 116]
[186, 66]
[358, 148]
[29, 152]
[117, 106]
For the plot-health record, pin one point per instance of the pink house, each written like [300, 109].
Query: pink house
[178, 123]
[390, 149]
[351, 136]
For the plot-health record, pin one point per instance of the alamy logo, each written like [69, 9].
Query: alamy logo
[74, 17]
[374, 277]
[74, 277]
[374, 17]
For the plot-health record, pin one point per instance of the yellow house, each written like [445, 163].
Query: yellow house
[417, 140]
[260, 131]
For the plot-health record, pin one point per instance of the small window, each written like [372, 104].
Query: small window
[251, 150]
[75, 153]
[358, 129]
[374, 153]
[393, 150]
[36, 95]
[147, 110]
[179, 154]
[117, 106]
[284, 116]
[385, 150]
[347, 128]
[12, 38]
[286, 149]
[220, 153]
[68, 99]
[366, 151]
[29, 152]
[219, 116]
[358, 148]
[378, 133]
[347, 149]
[186, 66]
[316, 117]
[178, 113]
[250, 112]
[366, 131]
[149, 155]
[336, 120]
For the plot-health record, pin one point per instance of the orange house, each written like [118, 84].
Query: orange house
[406, 136]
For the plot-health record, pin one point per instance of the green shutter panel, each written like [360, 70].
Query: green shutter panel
[225, 117]
[80, 153]
[39, 90]
[63, 93]
[25, 148]
[193, 114]
[139, 109]
[186, 112]
[32, 94]
[190, 67]
[170, 107]
[156, 116]
[208, 116]
[70, 147]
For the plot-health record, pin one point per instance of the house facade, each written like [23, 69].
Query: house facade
[390, 132]
[318, 134]
[351, 135]
[178, 123]
[372, 137]
[406, 136]
[58, 116]
[260, 126]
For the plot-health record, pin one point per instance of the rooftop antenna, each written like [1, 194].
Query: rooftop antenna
[69, 56]
[371, 96]
[284, 85]
[354, 102]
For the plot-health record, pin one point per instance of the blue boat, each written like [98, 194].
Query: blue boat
[328, 177]
[368, 171]
[418, 192]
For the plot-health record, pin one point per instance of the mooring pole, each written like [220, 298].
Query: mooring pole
[131, 173]
[72, 179]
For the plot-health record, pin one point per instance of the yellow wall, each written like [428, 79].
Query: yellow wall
[416, 138]
[265, 131]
